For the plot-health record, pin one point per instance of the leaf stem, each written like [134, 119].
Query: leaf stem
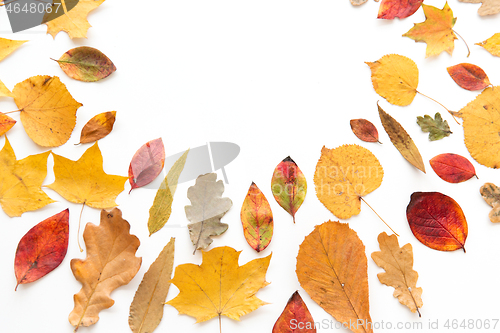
[11, 111]
[79, 222]
[468, 50]
[432, 99]
[395, 233]
[220, 325]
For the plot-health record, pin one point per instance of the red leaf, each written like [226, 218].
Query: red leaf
[437, 221]
[42, 249]
[452, 168]
[147, 163]
[390, 9]
[364, 130]
[295, 318]
[469, 76]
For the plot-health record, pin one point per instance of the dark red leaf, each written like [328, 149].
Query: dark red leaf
[390, 9]
[452, 168]
[147, 163]
[295, 318]
[469, 76]
[364, 130]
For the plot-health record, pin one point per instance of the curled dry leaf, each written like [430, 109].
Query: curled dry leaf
[332, 269]
[401, 140]
[206, 209]
[86, 64]
[98, 127]
[390, 9]
[289, 186]
[6, 123]
[437, 221]
[295, 318]
[21, 182]
[7, 46]
[146, 310]
[452, 168]
[488, 7]
[491, 194]
[4, 91]
[219, 286]
[257, 219]
[48, 111]
[42, 248]
[110, 263]
[492, 44]
[469, 76]
[437, 128]
[395, 78]
[147, 163]
[399, 273]
[364, 130]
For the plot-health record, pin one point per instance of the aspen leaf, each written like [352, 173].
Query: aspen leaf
[206, 209]
[48, 111]
[146, 310]
[98, 127]
[257, 219]
[488, 7]
[42, 248]
[469, 76]
[160, 212]
[364, 130]
[332, 269]
[147, 163]
[401, 140]
[86, 64]
[6, 123]
[7, 46]
[295, 311]
[491, 194]
[399, 273]
[390, 9]
[110, 263]
[4, 91]
[452, 168]
[289, 186]
[219, 286]
[436, 30]
[21, 181]
[84, 181]
[437, 127]
[492, 44]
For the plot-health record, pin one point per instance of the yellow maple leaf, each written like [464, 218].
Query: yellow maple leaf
[48, 111]
[84, 181]
[21, 181]
[436, 30]
[7, 46]
[492, 44]
[74, 21]
[219, 286]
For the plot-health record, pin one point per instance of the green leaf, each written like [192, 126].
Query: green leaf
[436, 127]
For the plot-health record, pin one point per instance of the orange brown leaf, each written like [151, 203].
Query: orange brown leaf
[452, 168]
[295, 318]
[469, 76]
[364, 130]
[98, 127]
[257, 219]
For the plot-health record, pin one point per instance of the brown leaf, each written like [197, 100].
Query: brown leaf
[488, 7]
[295, 318]
[98, 127]
[364, 130]
[491, 194]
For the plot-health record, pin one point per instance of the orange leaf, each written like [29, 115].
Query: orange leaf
[295, 318]
[390, 9]
[257, 219]
[6, 123]
[469, 76]
[98, 127]
[452, 168]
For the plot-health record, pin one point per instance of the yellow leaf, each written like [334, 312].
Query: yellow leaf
[436, 30]
[395, 78]
[74, 22]
[84, 181]
[110, 263]
[343, 176]
[7, 46]
[492, 44]
[219, 286]
[21, 181]
[48, 111]
[399, 273]
[4, 91]
[6, 123]
[481, 127]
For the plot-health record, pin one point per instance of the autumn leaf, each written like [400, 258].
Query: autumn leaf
[481, 127]
[146, 164]
[4, 91]
[206, 209]
[257, 219]
[437, 221]
[74, 22]
[364, 130]
[436, 30]
[21, 181]
[219, 286]
[469, 76]
[86, 64]
[332, 269]
[295, 318]
[289, 186]
[84, 181]
[160, 212]
[492, 44]
[110, 263]
[437, 128]
[98, 127]
[6, 123]
[7, 46]
[401, 140]
[357, 2]
[488, 7]
[399, 273]
[146, 310]
[390, 9]
[452, 168]
[491, 194]
[42, 248]
[48, 111]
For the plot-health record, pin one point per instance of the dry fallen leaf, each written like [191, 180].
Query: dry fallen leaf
[147, 163]
[98, 127]
[364, 130]
[399, 273]
[219, 286]
[86, 64]
[206, 209]
[332, 269]
[452, 168]
[110, 263]
[7, 46]
[437, 128]
[390, 9]
[146, 310]
[4, 91]
[469, 76]
[491, 194]
[492, 44]
[48, 111]
[295, 318]
[6, 123]
[488, 7]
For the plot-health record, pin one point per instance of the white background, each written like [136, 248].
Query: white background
[277, 78]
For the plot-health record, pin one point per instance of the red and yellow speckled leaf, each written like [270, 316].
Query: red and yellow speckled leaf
[257, 219]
